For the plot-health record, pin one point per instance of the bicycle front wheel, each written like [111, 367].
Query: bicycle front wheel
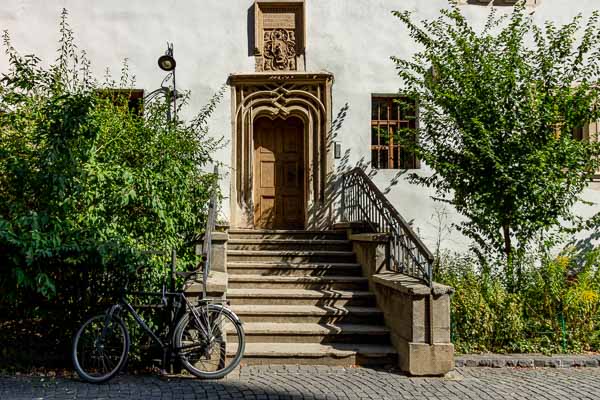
[100, 349]
[210, 341]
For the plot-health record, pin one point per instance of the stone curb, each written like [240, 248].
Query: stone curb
[527, 361]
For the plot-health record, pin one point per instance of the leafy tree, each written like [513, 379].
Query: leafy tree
[87, 185]
[497, 108]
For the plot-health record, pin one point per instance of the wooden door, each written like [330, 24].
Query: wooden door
[279, 173]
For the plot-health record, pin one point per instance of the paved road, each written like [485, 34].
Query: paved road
[280, 382]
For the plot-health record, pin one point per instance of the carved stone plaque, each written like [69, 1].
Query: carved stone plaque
[279, 35]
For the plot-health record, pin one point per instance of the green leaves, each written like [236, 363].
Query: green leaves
[486, 317]
[87, 185]
[491, 107]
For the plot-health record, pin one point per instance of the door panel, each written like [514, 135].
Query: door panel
[267, 174]
[290, 143]
[290, 175]
[279, 174]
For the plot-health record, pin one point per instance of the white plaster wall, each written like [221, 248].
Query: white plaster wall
[353, 39]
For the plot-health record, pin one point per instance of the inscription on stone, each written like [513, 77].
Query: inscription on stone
[279, 20]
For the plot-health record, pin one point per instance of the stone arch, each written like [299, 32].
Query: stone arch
[306, 96]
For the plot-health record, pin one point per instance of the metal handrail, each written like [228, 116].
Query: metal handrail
[363, 201]
[210, 226]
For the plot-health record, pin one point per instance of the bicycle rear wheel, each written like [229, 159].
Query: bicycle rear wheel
[211, 346]
[99, 349]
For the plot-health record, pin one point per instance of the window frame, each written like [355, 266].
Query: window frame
[134, 96]
[590, 132]
[390, 147]
[584, 133]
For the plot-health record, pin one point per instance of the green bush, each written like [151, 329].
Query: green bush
[556, 310]
[86, 186]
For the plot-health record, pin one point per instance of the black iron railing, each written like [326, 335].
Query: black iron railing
[363, 201]
[207, 244]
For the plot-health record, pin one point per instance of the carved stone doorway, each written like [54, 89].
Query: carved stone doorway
[279, 173]
[289, 98]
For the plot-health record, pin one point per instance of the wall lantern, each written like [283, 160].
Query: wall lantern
[337, 150]
[166, 62]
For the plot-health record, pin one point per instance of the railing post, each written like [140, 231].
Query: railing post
[430, 273]
[207, 246]
[343, 200]
[388, 257]
[170, 307]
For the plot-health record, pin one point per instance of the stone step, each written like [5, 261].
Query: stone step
[291, 256]
[261, 332]
[301, 296]
[294, 269]
[289, 244]
[285, 234]
[308, 314]
[338, 354]
[298, 282]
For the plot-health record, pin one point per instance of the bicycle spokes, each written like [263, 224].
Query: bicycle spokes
[100, 349]
[211, 342]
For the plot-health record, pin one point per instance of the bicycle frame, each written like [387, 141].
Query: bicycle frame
[124, 304]
[184, 304]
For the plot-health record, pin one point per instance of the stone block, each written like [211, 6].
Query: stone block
[219, 251]
[380, 238]
[417, 315]
[525, 363]
[546, 362]
[441, 318]
[578, 361]
[397, 310]
[471, 362]
[421, 359]
[401, 304]
[591, 362]
[216, 285]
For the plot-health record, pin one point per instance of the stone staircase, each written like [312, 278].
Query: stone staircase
[303, 300]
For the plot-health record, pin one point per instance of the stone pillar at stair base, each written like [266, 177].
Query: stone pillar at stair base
[219, 251]
[422, 340]
[216, 285]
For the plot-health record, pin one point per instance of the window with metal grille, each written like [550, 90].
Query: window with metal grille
[120, 97]
[589, 132]
[393, 124]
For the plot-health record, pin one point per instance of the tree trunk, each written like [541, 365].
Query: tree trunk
[507, 244]
[510, 278]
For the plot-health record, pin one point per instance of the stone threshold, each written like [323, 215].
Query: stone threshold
[527, 361]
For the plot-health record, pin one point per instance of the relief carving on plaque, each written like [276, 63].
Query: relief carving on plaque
[280, 50]
[279, 35]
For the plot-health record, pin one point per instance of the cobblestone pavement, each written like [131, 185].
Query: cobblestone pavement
[287, 382]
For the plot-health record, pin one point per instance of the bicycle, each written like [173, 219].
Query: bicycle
[198, 337]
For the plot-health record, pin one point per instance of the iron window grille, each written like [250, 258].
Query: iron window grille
[588, 132]
[393, 132]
